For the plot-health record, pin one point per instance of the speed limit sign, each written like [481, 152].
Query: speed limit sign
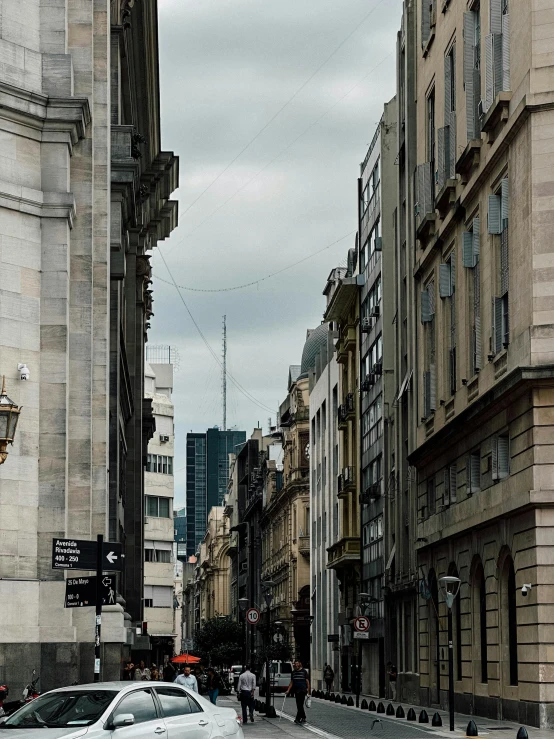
[361, 623]
[252, 616]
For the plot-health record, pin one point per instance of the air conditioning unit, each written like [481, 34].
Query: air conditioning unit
[366, 325]
[378, 368]
[375, 312]
[365, 385]
[163, 438]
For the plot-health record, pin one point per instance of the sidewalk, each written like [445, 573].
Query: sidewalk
[334, 721]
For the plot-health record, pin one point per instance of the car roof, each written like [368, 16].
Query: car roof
[118, 685]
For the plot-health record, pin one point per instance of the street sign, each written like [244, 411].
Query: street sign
[362, 623]
[79, 554]
[361, 635]
[253, 616]
[278, 638]
[80, 592]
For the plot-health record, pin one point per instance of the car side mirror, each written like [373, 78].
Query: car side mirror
[123, 719]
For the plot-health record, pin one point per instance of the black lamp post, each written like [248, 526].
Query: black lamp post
[270, 710]
[9, 416]
[243, 603]
[450, 586]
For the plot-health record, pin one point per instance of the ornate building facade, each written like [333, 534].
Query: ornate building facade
[214, 567]
[84, 198]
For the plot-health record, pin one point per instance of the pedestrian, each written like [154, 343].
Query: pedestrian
[169, 672]
[328, 676]
[128, 670]
[213, 685]
[392, 679]
[201, 679]
[188, 680]
[246, 689]
[301, 684]
[142, 672]
[154, 674]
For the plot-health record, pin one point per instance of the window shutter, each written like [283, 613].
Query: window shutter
[504, 263]
[497, 337]
[431, 291]
[447, 89]
[468, 257]
[503, 443]
[442, 166]
[495, 16]
[148, 589]
[494, 458]
[476, 238]
[452, 265]
[425, 308]
[426, 394]
[498, 64]
[445, 281]
[494, 214]
[478, 359]
[489, 73]
[429, 206]
[469, 68]
[475, 462]
[453, 485]
[446, 495]
[162, 596]
[506, 51]
[425, 21]
[505, 200]
[451, 138]
[432, 387]
[378, 243]
[505, 322]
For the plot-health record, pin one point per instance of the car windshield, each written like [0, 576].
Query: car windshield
[67, 708]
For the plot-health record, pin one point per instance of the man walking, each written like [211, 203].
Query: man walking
[188, 680]
[246, 689]
[328, 676]
[300, 682]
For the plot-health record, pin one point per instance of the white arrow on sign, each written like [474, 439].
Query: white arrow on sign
[106, 582]
[111, 557]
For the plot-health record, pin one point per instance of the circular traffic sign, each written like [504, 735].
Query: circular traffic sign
[252, 616]
[361, 623]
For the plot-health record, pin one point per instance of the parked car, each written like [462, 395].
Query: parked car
[126, 710]
[280, 674]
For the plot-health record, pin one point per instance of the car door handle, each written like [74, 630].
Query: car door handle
[159, 730]
[202, 722]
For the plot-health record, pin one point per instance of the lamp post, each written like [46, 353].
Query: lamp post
[364, 599]
[9, 416]
[243, 604]
[450, 586]
[270, 711]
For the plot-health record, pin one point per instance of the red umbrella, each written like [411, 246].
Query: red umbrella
[188, 659]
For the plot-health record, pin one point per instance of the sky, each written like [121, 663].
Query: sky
[271, 107]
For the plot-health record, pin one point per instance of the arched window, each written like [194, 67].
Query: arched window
[508, 621]
[479, 622]
[512, 623]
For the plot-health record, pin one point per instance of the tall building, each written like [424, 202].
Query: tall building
[485, 341]
[85, 198]
[377, 202]
[319, 361]
[159, 570]
[180, 523]
[207, 477]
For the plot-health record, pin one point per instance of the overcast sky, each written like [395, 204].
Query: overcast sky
[226, 69]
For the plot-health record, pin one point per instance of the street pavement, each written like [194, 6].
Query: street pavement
[333, 721]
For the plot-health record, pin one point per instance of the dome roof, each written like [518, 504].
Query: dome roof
[315, 340]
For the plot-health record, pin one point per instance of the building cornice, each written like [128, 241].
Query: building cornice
[37, 202]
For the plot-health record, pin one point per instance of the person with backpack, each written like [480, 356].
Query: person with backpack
[328, 676]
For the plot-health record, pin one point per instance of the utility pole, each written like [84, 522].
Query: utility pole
[224, 378]
[98, 619]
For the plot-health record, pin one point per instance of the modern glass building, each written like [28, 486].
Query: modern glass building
[207, 476]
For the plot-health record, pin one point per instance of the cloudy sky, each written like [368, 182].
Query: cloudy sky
[227, 68]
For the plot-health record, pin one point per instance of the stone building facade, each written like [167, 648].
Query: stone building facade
[214, 566]
[286, 519]
[68, 119]
[484, 211]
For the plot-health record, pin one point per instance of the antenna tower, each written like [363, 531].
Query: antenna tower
[224, 377]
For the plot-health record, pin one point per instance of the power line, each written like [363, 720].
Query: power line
[278, 113]
[262, 279]
[282, 151]
[212, 352]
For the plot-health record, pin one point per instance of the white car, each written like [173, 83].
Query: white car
[122, 710]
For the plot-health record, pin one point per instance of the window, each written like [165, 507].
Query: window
[157, 551]
[431, 501]
[372, 425]
[141, 704]
[429, 374]
[156, 507]
[158, 596]
[447, 287]
[498, 224]
[431, 136]
[474, 472]
[500, 457]
[512, 623]
[428, 20]
[160, 463]
[450, 484]
[176, 702]
[472, 70]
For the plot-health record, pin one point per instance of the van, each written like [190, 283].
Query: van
[280, 675]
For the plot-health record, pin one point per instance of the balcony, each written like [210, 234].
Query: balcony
[346, 410]
[346, 481]
[304, 546]
[346, 343]
[345, 552]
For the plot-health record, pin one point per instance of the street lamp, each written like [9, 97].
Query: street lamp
[243, 604]
[364, 599]
[450, 586]
[268, 597]
[9, 416]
